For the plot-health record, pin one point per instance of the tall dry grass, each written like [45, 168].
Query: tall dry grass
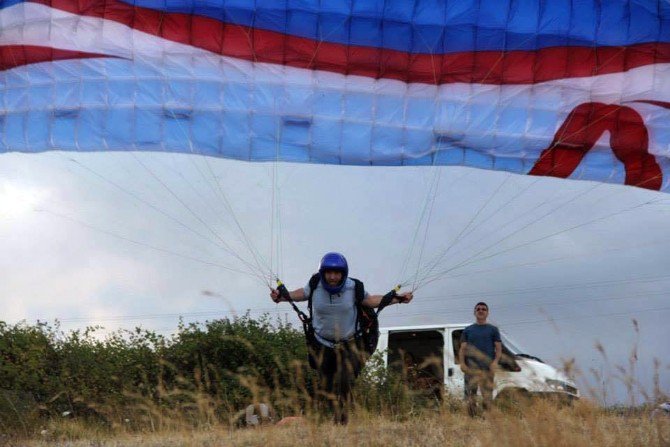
[387, 413]
[541, 423]
[184, 412]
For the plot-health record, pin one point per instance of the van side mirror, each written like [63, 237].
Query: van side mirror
[507, 362]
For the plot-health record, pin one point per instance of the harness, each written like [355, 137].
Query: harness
[367, 320]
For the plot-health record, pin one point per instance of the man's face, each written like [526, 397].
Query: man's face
[481, 312]
[333, 277]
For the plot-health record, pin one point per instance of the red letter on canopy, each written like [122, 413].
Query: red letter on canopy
[629, 141]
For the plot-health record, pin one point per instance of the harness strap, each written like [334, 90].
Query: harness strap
[388, 298]
[313, 284]
[283, 292]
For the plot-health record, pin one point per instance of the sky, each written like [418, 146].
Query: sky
[130, 239]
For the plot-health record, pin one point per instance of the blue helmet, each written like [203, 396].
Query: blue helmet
[337, 262]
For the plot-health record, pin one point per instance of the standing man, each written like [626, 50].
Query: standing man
[334, 307]
[478, 356]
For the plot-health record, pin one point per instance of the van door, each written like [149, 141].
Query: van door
[418, 356]
[453, 379]
[382, 345]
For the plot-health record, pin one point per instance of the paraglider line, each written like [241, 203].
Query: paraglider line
[143, 244]
[145, 202]
[209, 228]
[470, 261]
[436, 261]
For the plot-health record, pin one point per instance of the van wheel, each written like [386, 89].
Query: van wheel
[513, 400]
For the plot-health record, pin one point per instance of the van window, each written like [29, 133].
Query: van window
[422, 349]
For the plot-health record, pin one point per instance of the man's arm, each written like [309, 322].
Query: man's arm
[461, 356]
[296, 295]
[496, 359]
[374, 301]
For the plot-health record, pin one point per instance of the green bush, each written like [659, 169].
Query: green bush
[228, 362]
[204, 373]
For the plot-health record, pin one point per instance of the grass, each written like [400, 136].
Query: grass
[540, 423]
[188, 411]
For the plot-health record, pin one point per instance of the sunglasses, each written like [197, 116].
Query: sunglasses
[482, 308]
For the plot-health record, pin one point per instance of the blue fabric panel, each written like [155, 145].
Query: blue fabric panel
[509, 164]
[396, 34]
[542, 122]
[323, 119]
[417, 143]
[326, 136]
[404, 11]
[358, 106]
[235, 136]
[237, 96]
[14, 131]
[389, 109]
[92, 94]
[37, 131]
[264, 131]
[296, 101]
[356, 139]
[296, 131]
[450, 157]
[207, 94]
[645, 24]
[492, 25]
[176, 129]
[15, 99]
[478, 160]
[387, 143]
[439, 26]
[329, 103]
[369, 8]
[206, 132]
[583, 22]
[333, 28]
[148, 127]
[307, 22]
[63, 124]
[420, 112]
[522, 31]
[91, 130]
[8, 3]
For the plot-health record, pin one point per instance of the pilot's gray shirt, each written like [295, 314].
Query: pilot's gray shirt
[334, 316]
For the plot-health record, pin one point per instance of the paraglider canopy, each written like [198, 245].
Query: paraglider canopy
[561, 89]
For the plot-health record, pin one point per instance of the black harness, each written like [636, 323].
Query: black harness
[367, 322]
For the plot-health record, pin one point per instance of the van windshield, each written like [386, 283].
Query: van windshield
[516, 350]
[513, 347]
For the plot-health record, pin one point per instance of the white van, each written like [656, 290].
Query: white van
[519, 372]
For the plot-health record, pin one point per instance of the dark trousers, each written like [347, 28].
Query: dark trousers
[338, 369]
[482, 379]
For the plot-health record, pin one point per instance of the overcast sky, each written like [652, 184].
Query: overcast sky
[124, 239]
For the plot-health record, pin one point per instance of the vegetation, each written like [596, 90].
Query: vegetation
[140, 388]
[45, 373]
